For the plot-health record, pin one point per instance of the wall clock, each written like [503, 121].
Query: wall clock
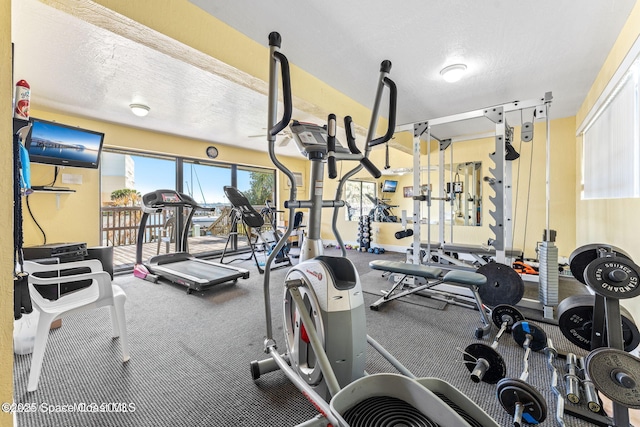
[212, 152]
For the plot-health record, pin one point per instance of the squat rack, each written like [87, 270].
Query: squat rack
[500, 181]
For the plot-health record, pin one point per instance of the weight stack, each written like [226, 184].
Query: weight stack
[549, 274]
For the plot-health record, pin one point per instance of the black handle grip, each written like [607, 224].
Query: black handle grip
[331, 146]
[275, 39]
[286, 92]
[370, 167]
[393, 98]
[385, 66]
[351, 138]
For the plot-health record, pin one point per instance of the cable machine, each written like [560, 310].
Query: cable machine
[500, 181]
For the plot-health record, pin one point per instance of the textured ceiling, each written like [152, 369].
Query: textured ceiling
[514, 50]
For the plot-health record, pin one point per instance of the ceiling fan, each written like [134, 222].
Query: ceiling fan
[282, 139]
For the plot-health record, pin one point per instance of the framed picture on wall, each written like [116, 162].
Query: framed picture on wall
[407, 192]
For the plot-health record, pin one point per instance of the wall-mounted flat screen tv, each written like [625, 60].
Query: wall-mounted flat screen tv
[389, 186]
[56, 144]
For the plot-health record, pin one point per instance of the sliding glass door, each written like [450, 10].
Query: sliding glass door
[127, 176]
[211, 226]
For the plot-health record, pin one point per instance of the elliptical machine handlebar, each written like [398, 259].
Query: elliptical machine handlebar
[331, 146]
[393, 97]
[275, 40]
[351, 143]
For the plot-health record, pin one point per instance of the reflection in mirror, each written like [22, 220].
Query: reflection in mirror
[465, 193]
[382, 211]
[357, 196]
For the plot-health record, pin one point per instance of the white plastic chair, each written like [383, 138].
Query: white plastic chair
[100, 293]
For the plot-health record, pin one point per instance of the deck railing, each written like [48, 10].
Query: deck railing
[120, 225]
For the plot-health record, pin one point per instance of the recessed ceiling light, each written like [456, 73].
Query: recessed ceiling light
[453, 73]
[139, 110]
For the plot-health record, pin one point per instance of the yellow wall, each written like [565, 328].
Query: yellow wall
[6, 216]
[608, 221]
[78, 216]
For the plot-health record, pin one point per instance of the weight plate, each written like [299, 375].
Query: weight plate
[616, 374]
[575, 320]
[497, 368]
[582, 256]
[521, 329]
[511, 391]
[504, 285]
[613, 277]
[505, 313]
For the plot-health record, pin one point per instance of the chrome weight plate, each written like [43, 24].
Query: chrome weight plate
[616, 374]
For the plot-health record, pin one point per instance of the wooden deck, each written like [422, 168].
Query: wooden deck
[124, 256]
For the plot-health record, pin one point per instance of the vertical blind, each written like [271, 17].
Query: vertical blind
[611, 144]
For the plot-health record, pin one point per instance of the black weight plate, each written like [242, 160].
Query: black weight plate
[582, 256]
[616, 374]
[613, 277]
[575, 320]
[497, 368]
[511, 391]
[521, 329]
[504, 285]
[506, 313]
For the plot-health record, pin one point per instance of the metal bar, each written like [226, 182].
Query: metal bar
[309, 392]
[416, 191]
[510, 106]
[384, 353]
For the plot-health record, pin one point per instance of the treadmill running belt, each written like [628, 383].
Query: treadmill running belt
[199, 269]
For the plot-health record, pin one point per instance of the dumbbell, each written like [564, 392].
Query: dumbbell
[590, 393]
[517, 397]
[484, 362]
[571, 379]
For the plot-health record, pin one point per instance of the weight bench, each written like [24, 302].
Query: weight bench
[434, 276]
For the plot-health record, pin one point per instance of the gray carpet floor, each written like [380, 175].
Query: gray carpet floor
[190, 357]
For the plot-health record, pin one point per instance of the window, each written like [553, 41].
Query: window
[611, 143]
[360, 198]
[257, 184]
[127, 175]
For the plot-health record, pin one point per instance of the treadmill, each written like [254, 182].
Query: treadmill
[180, 266]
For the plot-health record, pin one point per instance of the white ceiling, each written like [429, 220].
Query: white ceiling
[514, 50]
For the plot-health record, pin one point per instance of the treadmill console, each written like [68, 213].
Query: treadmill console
[312, 138]
[170, 197]
[167, 198]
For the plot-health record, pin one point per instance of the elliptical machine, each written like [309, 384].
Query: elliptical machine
[324, 311]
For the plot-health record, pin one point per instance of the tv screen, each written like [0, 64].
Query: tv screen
[389, 186]
[61, 145]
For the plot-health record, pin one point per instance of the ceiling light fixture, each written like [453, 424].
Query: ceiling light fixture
[139, 110]
[453, 73]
